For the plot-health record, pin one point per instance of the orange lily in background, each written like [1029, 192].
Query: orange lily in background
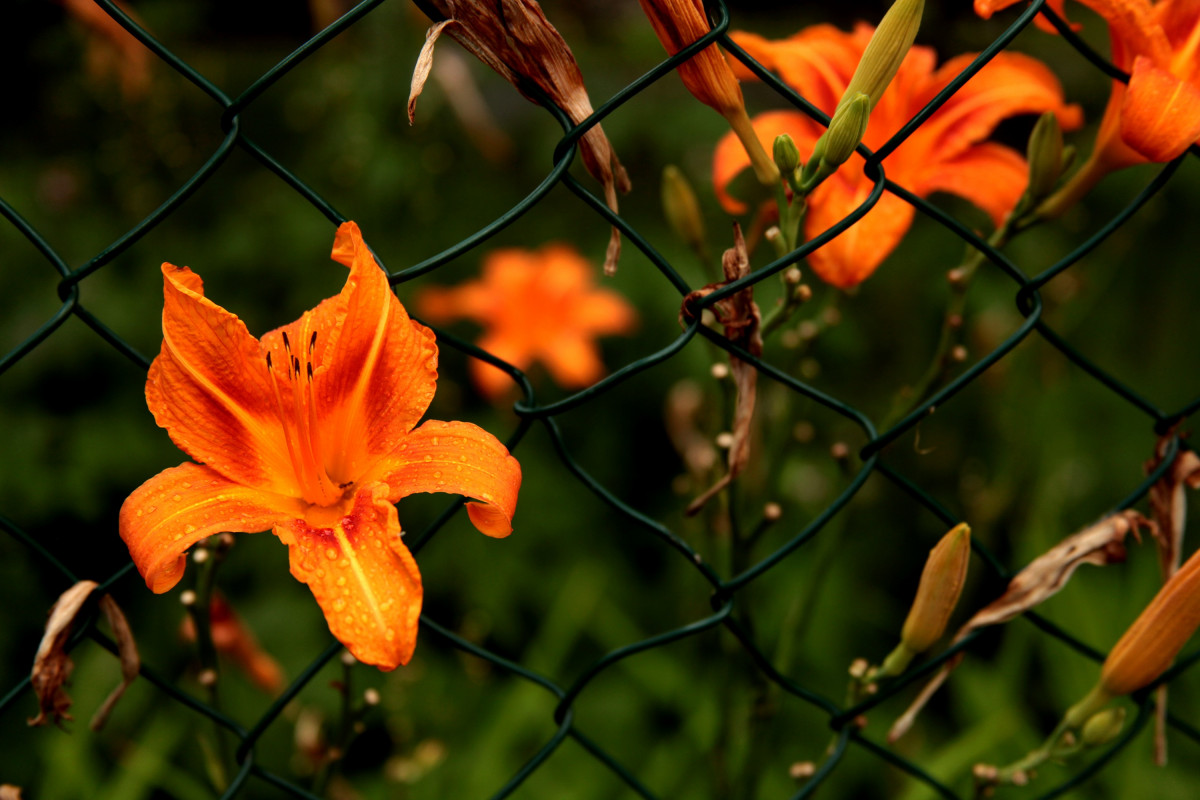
[535, 305]
[946, 154]
[1157, 116]
[231, 638]
[311, 432]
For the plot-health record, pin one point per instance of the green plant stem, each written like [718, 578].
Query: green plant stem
[345, 732]
[943, 360]
[219, 758]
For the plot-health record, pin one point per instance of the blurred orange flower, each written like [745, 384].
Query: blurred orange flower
[1157, 115]
[538, 305]
[231, 637]
[946, 154]
[311, 432]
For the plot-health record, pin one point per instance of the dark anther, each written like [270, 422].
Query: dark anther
[310, 372]
[268, 360]
[344, 485]
[286, 344]
[312, 343]
[296, 365]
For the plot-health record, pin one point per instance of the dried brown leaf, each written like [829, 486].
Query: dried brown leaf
[743, 327]
[515, 39]
[1168, 503]
[52, 666]
[127, 651]
[1099, 544]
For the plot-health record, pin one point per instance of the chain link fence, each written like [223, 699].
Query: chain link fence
[851, 744]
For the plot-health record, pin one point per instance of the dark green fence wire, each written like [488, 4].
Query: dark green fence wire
[71, 289]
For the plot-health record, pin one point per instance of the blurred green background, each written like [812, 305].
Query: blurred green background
[1032, 451]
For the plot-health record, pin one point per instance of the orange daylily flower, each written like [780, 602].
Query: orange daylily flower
[1157, 116]
[536, 305]
[311, 432]
[946, 154]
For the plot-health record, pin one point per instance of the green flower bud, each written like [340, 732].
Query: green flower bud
[1045, 154]
[895, 35]
[941, 584]
[787, 156]
[846, 130]
[681, 208]
[1102, 727]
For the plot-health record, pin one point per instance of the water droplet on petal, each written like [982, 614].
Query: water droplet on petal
[140, 512]
[331, 554]
[429, 458]
[187, 484]
[189, 528]
[389, 634]
[177, 497]
[341, 581]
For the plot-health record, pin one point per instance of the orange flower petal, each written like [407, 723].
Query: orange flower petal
[985, 9]
[990, 175]
[362, 575]
[169, 513]
[493, 381]
[853, 255]
[1010, 84]
[818, 61]
[458, 458]
[1160, 115]
[573, 361]
[210, 389]
[375, 369]
[730, 159]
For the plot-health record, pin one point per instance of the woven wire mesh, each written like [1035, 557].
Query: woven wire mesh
[726, 590]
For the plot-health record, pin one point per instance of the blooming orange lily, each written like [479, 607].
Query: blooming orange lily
[946, 154]
[1157, 115]
[312, 433]
[535, 306]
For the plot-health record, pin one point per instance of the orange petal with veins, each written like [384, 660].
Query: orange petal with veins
[1160, 115]
[210, 389]
[362, 574]
[457, 458]
[990, 175]
[178, 507]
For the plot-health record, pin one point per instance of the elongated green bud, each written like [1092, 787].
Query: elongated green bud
[681, 208]
[892, 39]
[879, 63]
[1045, 153]
[941, 583]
